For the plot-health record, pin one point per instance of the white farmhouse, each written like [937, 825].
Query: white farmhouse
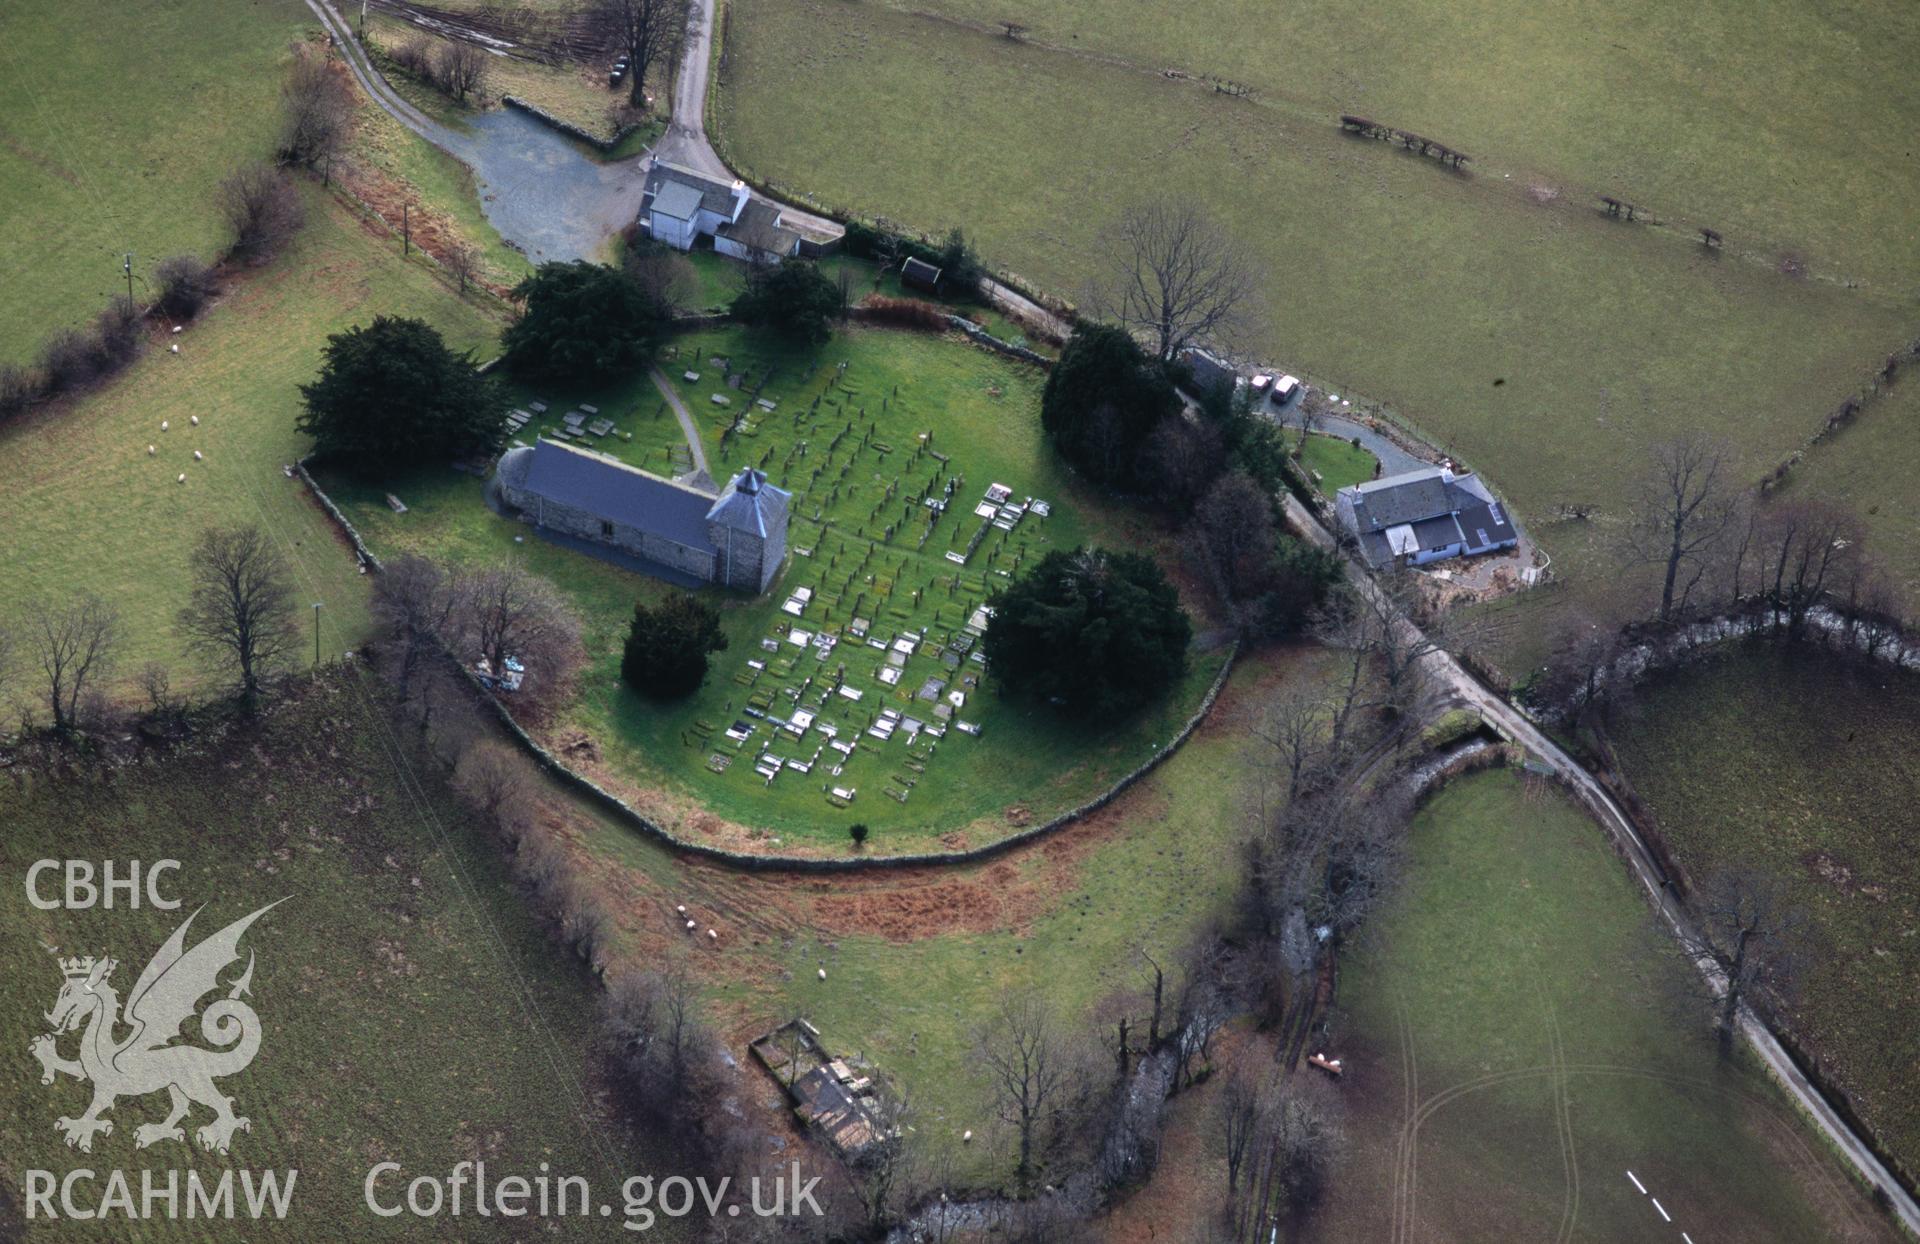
[681, 206]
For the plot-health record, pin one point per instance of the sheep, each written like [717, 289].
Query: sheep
[682, 909]
[176, 347]
[966, 1137]
[691, 926]
[823, 974]
[182, 478]
[151, 451]
[197, 457]
[712, 936]
[163, 425]
[194, 420]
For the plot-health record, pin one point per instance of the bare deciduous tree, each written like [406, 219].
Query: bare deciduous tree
[1298, 1147]
[1581, 651]
[649, 32]
[507, 612]
[1029, 1069]
[74, 646]
[239, 610]
[493, 777]
[316, 107]
[665, 275]
[262, 209]
[883, 1173]
[1391, 619]
[414, 602]
[1748, 927]
[1329, 860]
[1683, 509]
[460, 68]
[463, 260]
[1802, 548]
[1244, 1103]
[1298, 730]
[1176, 278]
[1235, 520]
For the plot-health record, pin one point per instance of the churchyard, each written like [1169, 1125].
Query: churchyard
[852, 691]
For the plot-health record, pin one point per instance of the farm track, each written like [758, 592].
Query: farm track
[524, 35]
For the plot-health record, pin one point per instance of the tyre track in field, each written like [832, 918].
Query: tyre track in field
[1820, 1179]
[1563, 1122]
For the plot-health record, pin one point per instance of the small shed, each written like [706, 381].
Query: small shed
[921, 275]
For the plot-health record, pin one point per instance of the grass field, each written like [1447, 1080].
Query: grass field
[1337, 463]
[1803, 767]
[1872, 466]
[105, 146]
[87, 507]
[1516, 997]
[847, 444]
[1782, 124]
[411, 1010]
[1426, 286]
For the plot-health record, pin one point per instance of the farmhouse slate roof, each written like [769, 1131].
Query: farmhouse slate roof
[618, 493]
[677, 200]
[1408, 498]
[1487, 517]
[715, 196]
[759, 228]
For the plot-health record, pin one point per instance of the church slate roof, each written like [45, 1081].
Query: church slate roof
[751, 504]
[618, 493]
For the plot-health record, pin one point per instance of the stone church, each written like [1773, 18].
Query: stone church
[735, 537]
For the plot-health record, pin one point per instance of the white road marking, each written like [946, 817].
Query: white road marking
[1637, 1183]
[1663, 1212]
[1686, 1237]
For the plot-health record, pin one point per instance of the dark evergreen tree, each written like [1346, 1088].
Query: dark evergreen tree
[391, 395]
[1101, 404]
[1099, 634]
[584, 321]
[793, 298]
[667, 646]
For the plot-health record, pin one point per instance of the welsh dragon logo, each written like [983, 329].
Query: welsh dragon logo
[146, 1060]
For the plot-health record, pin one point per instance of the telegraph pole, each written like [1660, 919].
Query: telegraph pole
[129, 268]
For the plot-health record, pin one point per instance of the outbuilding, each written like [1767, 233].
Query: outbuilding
[921, 275]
